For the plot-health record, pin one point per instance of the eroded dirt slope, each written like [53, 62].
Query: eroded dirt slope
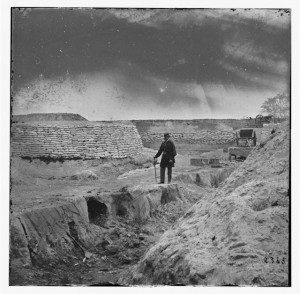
[112, 209]
[238, 235]
[77, 244]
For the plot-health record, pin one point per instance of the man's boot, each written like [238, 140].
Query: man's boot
[162, 175]
[169, 175]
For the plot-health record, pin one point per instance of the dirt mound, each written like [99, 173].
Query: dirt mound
[205, 178]
[237, 235]
[47, 117]
[27, 171]
[41, 182]
[219, 153]
[85, 175]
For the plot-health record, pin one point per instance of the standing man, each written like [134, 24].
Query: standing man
[168, 151]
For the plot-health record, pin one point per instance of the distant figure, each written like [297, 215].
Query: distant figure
[168, 151]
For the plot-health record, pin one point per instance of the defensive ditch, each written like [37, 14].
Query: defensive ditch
[115, 228]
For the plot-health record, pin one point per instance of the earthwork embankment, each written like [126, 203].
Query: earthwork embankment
[192, 136]
[74, 140]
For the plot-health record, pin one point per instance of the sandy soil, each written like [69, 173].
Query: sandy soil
[37, 184]
[237, 235]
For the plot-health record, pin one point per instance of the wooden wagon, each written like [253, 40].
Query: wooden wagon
[246, 138]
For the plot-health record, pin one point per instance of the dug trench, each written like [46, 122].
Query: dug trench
[96, 235]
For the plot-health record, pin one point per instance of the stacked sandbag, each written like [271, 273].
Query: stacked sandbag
[75, 140]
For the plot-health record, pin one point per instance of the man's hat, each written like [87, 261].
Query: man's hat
[166, 135]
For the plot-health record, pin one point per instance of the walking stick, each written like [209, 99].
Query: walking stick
[154, 162]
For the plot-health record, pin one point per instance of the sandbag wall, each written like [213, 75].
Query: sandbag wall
[74, 140]
[197, 134]
[202, 137]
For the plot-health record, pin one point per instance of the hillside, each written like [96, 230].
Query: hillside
[238, 235]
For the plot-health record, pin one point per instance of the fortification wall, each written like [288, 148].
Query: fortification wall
[191, 126]
[203, 134]
[47, 117]
[70, 140]
[206, 137]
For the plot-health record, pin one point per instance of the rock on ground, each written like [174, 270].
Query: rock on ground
[238, 235]
[85, 175]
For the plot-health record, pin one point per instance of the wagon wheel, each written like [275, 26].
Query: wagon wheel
[258, 120]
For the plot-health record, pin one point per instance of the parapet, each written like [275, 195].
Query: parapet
[75, 140]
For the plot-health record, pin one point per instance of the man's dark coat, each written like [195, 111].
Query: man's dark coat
[168, 151]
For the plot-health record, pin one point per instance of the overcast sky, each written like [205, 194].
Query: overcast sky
[149, 64]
